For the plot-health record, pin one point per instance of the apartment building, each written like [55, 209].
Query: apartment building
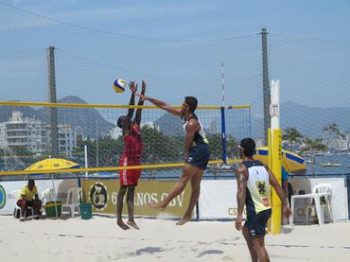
[35, 135]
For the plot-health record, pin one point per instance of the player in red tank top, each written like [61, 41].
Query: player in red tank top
[131, 156]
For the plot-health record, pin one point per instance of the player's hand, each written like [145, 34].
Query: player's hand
[133, 87]
[238, 223]
[141, 96]
[143, 90]
[287, 212]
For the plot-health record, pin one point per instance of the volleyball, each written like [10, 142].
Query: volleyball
[119, 85]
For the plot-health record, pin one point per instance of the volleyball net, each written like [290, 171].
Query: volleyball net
[87, 134]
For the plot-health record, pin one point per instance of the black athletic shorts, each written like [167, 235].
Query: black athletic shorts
[199, 156]
[257, 224]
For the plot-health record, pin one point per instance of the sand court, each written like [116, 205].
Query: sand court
[99, 239]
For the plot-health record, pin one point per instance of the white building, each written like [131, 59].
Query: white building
[26, 132]
[67, 139]
[34, 134]
[338, 144]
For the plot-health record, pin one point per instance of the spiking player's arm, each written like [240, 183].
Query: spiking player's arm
[161, 104]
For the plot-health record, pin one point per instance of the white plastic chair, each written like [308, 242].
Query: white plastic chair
[318, 191]
[47, 196]
[326, 192]
[17, 194]
[74, 195]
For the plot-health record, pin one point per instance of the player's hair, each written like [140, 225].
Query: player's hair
[192, 102]
[121, 121]
[248, 146]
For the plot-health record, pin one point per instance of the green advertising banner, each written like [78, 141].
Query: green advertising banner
[102, 194]
[2, 197]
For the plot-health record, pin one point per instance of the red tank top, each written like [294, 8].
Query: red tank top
[133, 143]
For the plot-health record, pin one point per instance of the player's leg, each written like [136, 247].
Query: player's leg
[259, 247]
[250, 245]
[195, 186]
[120, 199]
[130, 202]
[260, 231]
[187, 172]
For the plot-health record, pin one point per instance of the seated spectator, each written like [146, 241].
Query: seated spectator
[29, 198]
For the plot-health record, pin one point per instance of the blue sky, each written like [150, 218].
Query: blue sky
[177, 46]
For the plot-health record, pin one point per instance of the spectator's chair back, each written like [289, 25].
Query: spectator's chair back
[47, 195]
[17, 212]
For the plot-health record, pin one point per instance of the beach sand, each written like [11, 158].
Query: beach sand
[99, 239]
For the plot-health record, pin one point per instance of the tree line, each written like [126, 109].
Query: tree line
[312, 145]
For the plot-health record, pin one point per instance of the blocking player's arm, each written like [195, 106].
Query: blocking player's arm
[140, 103]
[191, 128]
[133, 88]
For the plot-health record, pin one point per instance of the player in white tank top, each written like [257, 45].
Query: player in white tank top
[254, 181]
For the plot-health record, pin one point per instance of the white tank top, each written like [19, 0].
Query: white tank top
[259, 186]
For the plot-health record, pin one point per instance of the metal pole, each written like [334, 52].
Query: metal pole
[266, 85]
[52, 99]
[86, 159]
[97, 144]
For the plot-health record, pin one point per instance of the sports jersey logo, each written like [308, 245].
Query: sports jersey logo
[261, 186]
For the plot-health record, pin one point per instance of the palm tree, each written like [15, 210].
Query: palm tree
[292, 135]
[332, 131]
[313, 145]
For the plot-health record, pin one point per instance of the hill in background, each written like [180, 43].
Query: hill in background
[88, 120]
[310, 121]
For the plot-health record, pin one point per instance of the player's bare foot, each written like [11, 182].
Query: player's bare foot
[183, 221]
[132, 224]
[155, 205]
[122, 225]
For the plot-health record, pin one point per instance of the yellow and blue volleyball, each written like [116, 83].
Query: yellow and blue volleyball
[119, 85]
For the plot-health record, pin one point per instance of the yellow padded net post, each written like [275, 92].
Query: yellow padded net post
[275, 147]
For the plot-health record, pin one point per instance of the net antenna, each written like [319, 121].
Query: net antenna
[223, 125]
[223, 83]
